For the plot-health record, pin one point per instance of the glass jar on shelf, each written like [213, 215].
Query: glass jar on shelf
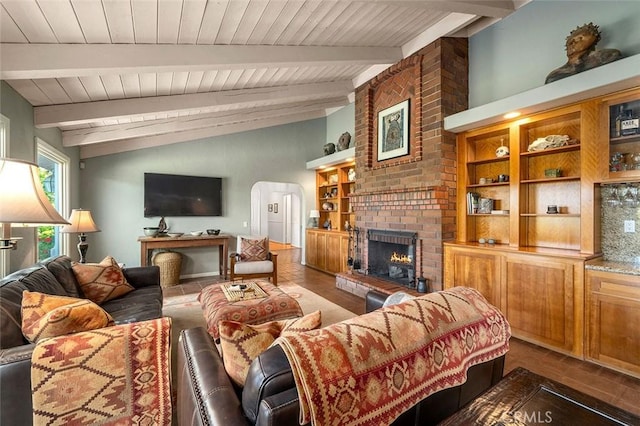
[620, 116]
[630, 124]
[616, 162]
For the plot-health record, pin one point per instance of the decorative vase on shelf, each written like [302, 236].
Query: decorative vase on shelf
[502, 150]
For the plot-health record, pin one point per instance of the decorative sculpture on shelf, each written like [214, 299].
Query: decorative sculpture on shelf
[551, 141]
[329, 148]
[162, 226]
[343, 141]
[582, 54]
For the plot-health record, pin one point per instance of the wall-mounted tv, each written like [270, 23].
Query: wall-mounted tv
[179, 195]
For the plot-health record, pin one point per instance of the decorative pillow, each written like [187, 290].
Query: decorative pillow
[242, 343]
[101, 281]
[251, 250]
[44, 315]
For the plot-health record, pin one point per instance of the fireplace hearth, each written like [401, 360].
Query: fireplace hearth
[392, 256]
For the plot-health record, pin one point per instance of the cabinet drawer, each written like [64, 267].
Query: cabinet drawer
[615, 284]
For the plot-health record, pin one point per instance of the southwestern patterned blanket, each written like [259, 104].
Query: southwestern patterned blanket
[372, 368]
[111, 376]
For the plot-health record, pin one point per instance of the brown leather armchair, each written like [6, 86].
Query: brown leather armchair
[252, 259]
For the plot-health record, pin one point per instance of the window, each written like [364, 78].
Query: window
[54, 175]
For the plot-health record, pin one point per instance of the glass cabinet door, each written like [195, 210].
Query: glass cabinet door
[624, 136]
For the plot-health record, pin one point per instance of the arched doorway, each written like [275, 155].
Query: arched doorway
[277, 210]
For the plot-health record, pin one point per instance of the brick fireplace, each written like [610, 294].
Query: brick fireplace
[392, 256]
[413, 193]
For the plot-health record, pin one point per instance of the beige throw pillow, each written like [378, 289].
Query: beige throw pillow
[45, 315]
[101, 281]
[242, 343]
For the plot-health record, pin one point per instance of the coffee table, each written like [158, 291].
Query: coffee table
[526, 398]
[216, 307]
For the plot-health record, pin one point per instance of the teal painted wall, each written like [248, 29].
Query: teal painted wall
[112, 185]
[517, 53]
[343, 120]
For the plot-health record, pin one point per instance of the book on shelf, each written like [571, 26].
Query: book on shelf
[499, 211]
[473, 198]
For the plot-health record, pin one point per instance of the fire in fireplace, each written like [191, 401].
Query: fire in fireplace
[391, 255]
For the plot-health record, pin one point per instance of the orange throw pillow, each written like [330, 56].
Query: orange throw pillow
[253, 250]
[242, 343]
[101, 281]
[45, 315]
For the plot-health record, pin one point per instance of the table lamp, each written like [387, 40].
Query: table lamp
[22, 200]
[81, 222]
[314, 215]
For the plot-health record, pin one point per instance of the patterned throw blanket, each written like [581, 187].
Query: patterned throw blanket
[111, 376]
[371, 368]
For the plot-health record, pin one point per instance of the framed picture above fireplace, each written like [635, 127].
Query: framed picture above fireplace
[393, 131]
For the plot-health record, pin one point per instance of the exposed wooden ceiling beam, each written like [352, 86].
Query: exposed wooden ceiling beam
[448, 25]
[107, 148]
[496, 9]
[83, 113]
[139, 129]
[20, 61]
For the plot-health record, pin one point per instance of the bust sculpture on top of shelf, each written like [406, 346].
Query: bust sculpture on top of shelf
[582, 54]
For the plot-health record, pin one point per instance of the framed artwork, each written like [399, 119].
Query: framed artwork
[270, 207]
[393, 131]
[275, 207]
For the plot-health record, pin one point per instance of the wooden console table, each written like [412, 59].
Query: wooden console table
[147, 244]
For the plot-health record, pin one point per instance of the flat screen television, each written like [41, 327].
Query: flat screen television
[179, 195]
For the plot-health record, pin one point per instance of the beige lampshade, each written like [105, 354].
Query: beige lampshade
[81, 222]
[22, 198]
[314, 213]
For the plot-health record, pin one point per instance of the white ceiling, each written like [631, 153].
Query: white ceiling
[119, 75]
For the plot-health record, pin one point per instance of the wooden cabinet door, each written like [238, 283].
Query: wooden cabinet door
[475, 268]
[321, 244]
[344, 253]
[613, 312]
[334, 259]
[544, 301]
[312, 249]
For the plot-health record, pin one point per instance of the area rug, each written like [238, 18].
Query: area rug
[116, 375]
[372, 368]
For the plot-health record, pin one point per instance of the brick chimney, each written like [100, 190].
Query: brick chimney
[414, 192]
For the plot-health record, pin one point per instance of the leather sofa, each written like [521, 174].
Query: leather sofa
[55, 276]
[206, 395]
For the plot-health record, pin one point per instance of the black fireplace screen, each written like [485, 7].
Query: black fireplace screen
[392, 256]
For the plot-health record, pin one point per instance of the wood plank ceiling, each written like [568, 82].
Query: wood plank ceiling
[119, 75]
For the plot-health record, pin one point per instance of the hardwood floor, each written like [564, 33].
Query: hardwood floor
[615, 388]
